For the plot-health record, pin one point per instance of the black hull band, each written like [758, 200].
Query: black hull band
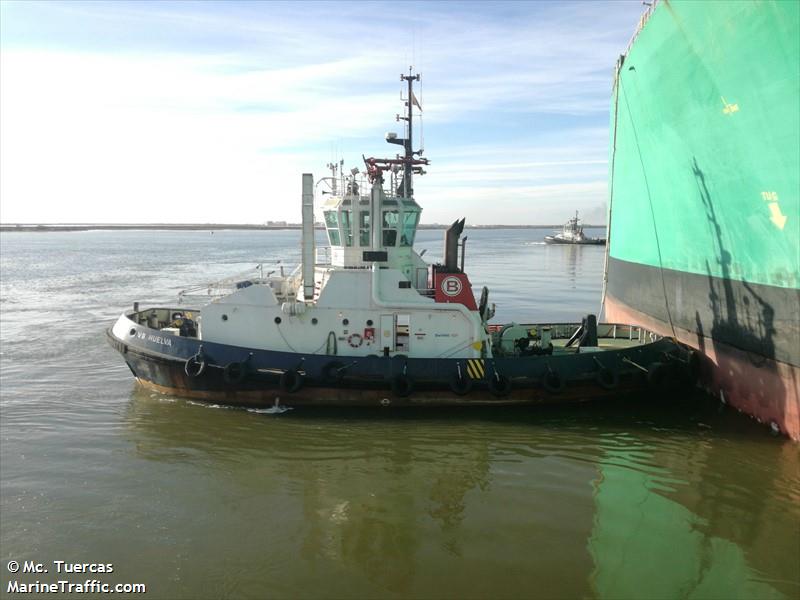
[264, 390]
[761, 319]
[309, 380]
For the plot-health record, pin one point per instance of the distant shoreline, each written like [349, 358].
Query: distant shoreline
[219, 227]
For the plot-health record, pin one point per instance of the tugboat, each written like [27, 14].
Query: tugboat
[371, 323]
[572, 233]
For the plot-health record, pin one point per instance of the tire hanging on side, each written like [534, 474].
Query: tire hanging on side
[195, 366]
[402, 385]
[499, 385]
[235, 372]
[606, 378]
[291, 381]
[553, 382]
[460, 384]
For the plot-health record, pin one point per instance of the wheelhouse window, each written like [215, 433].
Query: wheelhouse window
[363, 229]
[347, 227]
[410, 220]
[332, 224]
[391, 219]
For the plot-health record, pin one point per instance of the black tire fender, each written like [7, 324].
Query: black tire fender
[332, 373]
[402, 385]
[195, 366]
[553, 382]
[460, 384]
[291, 381]
[499, 384]
[657, 375]
[235, 372]
[606, 378]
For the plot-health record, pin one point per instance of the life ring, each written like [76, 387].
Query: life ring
[195, 365]
[332, 372]
[235, 372]
[460, 384]
[499, 384]
[553, 382]
[291, 381]
[606, 378]
[355, 340]
[402, 385]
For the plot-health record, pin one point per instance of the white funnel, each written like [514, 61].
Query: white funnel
[308, 245]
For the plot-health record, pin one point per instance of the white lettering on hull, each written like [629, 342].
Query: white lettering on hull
[164, 341]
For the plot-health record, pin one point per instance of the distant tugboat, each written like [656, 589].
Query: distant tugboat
[371, 323]
[572, 233]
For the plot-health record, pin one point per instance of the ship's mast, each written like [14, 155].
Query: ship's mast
[410, 165]
[409, 154]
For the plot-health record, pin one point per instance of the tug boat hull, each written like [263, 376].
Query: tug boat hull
[585, 242]
[161, 362]
[373, 323]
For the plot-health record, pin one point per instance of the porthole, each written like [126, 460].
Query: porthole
[133, 332]
[314, 321]
[369, 322]
[345, 321]
[277, 320]
[224, 317]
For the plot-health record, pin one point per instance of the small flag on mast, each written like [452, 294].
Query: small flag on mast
[415, 101]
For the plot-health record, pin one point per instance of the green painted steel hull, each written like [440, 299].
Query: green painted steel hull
[707, 127]
[704, 208]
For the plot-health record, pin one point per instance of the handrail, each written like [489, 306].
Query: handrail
[640, 25]
[256, 276]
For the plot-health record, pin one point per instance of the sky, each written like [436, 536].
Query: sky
[206, 112]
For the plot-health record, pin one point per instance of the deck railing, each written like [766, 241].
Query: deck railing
[274, 275]
[651, 6]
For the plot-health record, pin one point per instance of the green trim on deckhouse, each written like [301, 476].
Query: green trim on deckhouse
[705, 144]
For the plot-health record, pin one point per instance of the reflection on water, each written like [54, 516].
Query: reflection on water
[626, 499]
[563, 503]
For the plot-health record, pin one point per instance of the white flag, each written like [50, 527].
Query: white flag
[415, 101]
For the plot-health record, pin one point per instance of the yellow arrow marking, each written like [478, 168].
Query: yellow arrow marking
[777, 217]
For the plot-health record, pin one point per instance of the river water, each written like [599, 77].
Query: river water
[641, 498]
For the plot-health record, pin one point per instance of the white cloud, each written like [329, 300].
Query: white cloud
[223, 134]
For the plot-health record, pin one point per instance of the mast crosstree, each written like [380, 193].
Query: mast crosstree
[408, 162]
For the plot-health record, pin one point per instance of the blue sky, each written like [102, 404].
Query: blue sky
[209, 112]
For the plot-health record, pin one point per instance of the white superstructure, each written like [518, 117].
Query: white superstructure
[374, 294]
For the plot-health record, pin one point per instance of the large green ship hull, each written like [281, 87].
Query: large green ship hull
[704, 215]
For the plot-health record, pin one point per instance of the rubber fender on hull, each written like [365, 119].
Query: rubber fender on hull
[460, 384]
[553, 382]
[658, 376]
[195, 366]
[291, 381]
[332, 372]
[402, 385]
[499, 384]
[606, 378]
[235, 372]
